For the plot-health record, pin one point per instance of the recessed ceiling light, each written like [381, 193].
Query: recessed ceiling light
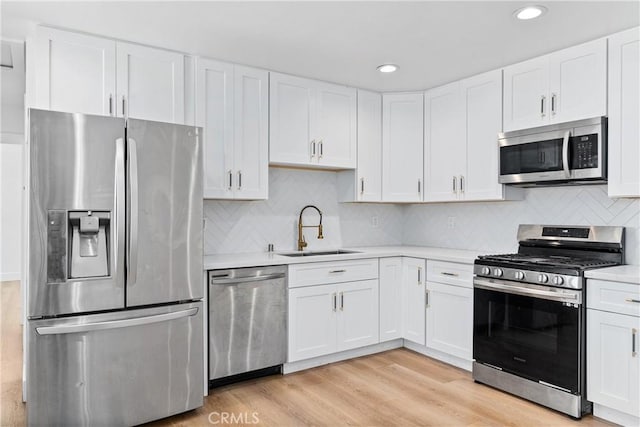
[387, 68]
[530, 12]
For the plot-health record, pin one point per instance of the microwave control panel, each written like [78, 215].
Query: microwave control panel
[584, 151]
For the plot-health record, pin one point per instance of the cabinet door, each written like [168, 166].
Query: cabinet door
[75, 73]
[291, 111]
[312, 321]
[390, 298]
[578, 82]
[369, 173]
[402, 147]
[414, 300]
[624, 110]
[526, 87]
[335, 125]
[251, 144]
[214, 113]
[450, 319]
[483, 100]
[358, 314]
[150, 83]
[613, 365]
[444, 141]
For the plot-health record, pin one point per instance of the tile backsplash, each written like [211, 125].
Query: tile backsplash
[239, 226]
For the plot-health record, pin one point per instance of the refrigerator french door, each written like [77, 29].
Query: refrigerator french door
[115, 270]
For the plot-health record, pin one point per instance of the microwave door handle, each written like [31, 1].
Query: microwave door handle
[565, 154]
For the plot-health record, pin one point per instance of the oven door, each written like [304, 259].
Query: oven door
[529, 330]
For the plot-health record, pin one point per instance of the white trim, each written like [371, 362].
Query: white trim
[615, 416]
[12, 138]
[11, 276]
[438, 355]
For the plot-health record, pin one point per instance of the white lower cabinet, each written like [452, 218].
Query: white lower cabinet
[450, 319]
[390, 298]
[413, 307]
[324, 319]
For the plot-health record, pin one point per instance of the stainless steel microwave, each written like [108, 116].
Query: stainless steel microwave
[560, 154]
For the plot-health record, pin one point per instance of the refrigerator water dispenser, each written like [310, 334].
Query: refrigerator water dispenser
[89, 237]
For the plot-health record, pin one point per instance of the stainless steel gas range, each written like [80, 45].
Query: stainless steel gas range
[530, 313]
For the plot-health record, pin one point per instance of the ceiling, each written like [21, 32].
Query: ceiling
[343, 42]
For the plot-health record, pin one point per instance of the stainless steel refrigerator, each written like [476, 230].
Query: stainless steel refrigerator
[115, 279]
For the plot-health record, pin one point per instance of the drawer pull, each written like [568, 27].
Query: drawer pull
[633, 300]
[338, 271]
[445, 273]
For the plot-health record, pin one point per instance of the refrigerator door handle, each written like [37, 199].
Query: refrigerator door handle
[132, 247]
[114, 324]
[120, 206]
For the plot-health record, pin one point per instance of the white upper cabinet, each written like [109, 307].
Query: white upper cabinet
[150, 83]
[624, 110]
[444, 138]
[74, 72]
[312, 123]
[232, 109]
[92, 75]
[567, 85]
[402, 147]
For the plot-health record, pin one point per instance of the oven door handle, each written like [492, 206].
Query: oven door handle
[536, 293]
[565, 154]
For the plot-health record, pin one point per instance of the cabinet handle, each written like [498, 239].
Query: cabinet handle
[320, 148]
[111, 104]
[313, 148]
[454, 185]
[123, 107]
[543, 100]
[239, 180]
[445, 273]
[419, 276]
[426, 298]
[461, 184]
[334, 298]
[553, 103]
[341, 301]
[338, 271]
[419, 186]
[361, 185]
[633, 300]
[634, 332]
[230, 179]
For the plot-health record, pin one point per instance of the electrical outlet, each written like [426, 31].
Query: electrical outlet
[451, 222]
[374, 222]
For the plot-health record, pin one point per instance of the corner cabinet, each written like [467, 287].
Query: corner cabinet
[312, 123]
[391, 284]
[567, 85]
[624, 110]
[402, 147]
[232, 109]
[86, 74]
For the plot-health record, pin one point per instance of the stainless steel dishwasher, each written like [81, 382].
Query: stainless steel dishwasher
[247, 322]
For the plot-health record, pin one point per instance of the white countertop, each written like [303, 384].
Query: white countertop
[620, 273]
[223, 261]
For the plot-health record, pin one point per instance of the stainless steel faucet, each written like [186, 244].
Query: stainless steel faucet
[301, 242]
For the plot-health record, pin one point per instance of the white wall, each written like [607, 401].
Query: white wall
[492, 227]
[12, 87]
[236, 226]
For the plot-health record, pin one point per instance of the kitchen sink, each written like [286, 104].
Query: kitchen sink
[318, 253]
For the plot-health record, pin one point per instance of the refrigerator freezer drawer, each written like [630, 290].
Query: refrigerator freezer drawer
[120, 368]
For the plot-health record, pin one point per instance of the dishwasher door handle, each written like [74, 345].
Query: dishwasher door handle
[231, 280]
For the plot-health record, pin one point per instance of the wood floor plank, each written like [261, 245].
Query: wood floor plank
[394, 388]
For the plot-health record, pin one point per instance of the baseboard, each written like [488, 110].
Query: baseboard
[615, 416]
[10, 277]
[301, 365]
[438, 355]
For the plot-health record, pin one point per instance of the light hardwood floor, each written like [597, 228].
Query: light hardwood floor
[397, 387]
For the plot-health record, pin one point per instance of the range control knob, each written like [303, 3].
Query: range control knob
[519, 275]
[497, 272]
[558, 280]
[543, 278]
[486, 271]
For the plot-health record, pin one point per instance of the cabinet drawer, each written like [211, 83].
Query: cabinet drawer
[332, 272]
[451, 273]
[617, 297]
